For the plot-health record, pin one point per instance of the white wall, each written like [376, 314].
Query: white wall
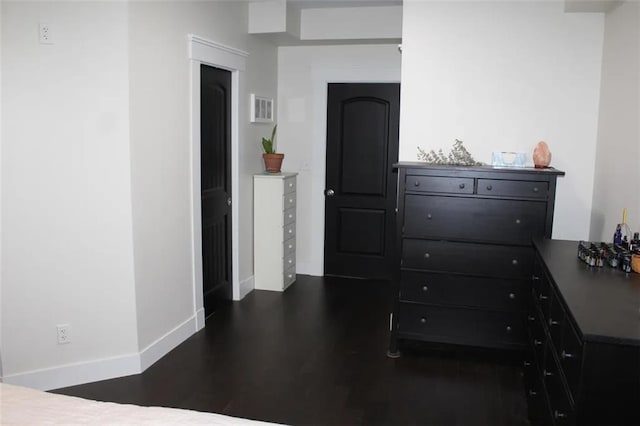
[502, 76]
[67, 255]
[351, 23]
[97, 181]
[303, 75]
[617, 172]
[161, 155]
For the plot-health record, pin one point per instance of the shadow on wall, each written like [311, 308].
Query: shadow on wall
[597, 226]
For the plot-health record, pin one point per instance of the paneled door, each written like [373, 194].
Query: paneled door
[360, 191]
[215, 172]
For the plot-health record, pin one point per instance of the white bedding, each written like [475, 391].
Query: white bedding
[24, 406]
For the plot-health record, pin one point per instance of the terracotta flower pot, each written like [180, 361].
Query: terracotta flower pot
[273, 162]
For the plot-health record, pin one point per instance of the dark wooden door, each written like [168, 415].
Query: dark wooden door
[215, 172]
[360, 194]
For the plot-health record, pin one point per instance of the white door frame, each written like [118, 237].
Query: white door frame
[203, 51]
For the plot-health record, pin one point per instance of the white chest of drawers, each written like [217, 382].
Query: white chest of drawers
[274, 230]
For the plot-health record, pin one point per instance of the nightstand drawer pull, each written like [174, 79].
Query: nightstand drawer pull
[567, 355]
[552, 322]
[537, 342]
[542, 297]
[547, 373]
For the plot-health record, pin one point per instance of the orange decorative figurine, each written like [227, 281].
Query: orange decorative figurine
[541, 155]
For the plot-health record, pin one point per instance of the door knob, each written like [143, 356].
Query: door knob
[329, 192]
[228, 201]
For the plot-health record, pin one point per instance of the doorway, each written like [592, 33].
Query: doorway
[360, 195]
[215, 185]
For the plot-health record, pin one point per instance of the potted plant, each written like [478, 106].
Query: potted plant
[272, 159]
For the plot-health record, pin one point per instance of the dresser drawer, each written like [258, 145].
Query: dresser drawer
[561, 407]
[513, 188]
[503, 221]
[289, 246]
[537, 336]
[555, 321]
[290, 185]
[289, 231]
[289, 201]
[289, 277]
[570, 355]
[467, 258]
[444, 289]
[289, 216]
[465, 326]
[451, 185]
[290, 261]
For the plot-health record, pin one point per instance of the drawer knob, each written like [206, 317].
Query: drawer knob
[535, 189]
[537, 342]
[559, 415]
[423, 320]
[290, 276]
[542, 297]
[509, 329]
[489, 187]
[429, 216]
[517, 221]
[552, 322]
[461, 186]
[290, 246]
[290, 200]
[290, 216]
[527, 363]
[532, 392]
[531, 318]
[291, 231]
[547, 373]
[416, 183]
[567, 355]
[425, 288]
[514, 262]
[291, 185]
[427, 255]
[512, 296]
[290, 261]
[535, 278]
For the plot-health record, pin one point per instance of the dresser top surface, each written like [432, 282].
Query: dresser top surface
[442, 168]
[604, 302]
[281, 175]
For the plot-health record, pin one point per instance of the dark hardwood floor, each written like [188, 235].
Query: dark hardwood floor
[316, 355]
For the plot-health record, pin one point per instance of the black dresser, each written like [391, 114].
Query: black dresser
[583, 366]
[465, 254]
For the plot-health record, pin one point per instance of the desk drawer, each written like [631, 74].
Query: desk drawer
[466, 326]
[503, 221]
[513, 188]
[469, 258]
[445, 289]
[451, 185]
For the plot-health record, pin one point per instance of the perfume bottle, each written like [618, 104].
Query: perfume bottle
[617, 236]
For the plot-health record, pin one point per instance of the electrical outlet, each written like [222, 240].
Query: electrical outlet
[45, 33]
[64, 333]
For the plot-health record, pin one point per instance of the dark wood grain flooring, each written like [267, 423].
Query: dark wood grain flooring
[316, 355]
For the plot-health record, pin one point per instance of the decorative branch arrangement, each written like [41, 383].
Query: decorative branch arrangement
[459, 156]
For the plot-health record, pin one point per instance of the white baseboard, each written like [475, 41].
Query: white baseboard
[306, 268]
[162, 346]
[200, 319]
[76, 374]
[246, 287]
[104, 369]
